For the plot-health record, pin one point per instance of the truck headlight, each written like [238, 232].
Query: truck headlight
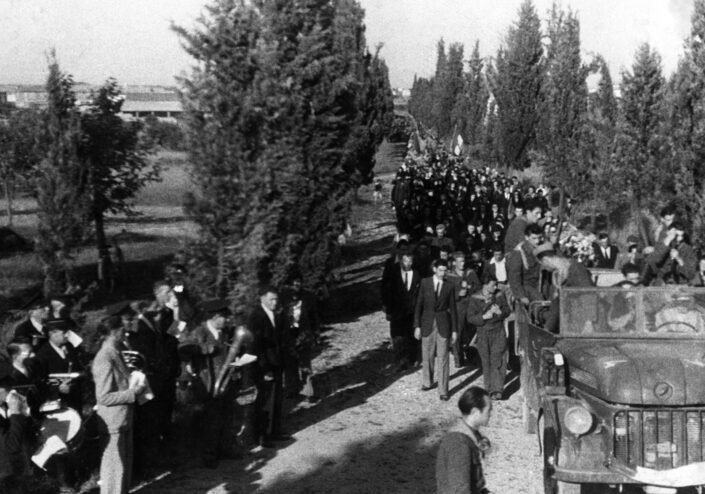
[578, 420]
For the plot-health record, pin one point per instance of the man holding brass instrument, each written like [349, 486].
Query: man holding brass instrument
[207, 353]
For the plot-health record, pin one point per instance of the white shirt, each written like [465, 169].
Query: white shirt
[58, 350]
[500, 269]
[437, 284]
[270, 315]
[215, 332]
[406, 278]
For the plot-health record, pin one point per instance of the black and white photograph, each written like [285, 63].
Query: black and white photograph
[352, 247]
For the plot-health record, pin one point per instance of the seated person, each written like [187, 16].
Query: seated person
[681, 316]
[621, 316]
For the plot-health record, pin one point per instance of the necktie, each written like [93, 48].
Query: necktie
[438, 289]
[406, 280]
[606, 252]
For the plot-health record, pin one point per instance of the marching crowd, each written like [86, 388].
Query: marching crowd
[475, 245]
[118, 405]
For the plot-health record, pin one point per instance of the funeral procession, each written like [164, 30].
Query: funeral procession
[352, 247]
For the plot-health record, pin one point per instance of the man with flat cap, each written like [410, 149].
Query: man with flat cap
[206, 350]
[59, 356]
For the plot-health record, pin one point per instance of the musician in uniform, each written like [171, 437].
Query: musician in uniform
[31, 329]
[15, 433]
[206, 351]
[59, 356]
[25, 379]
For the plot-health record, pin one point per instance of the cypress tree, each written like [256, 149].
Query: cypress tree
[515, 79]
[62, 185]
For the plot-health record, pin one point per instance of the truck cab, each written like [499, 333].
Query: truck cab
[617, 395]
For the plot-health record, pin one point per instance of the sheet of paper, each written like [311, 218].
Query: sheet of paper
[73, 338]
[50, 447]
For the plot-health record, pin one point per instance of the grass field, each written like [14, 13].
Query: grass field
[150, 237]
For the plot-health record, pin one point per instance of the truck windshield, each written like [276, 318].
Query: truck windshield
[669, 311]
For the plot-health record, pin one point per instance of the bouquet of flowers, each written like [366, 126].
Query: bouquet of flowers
[578, 245]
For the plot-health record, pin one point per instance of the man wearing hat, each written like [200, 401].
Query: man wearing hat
[15, 426]
[31, 329]
[59, 356]
[207, 349]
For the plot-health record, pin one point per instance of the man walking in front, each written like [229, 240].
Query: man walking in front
[436, 325]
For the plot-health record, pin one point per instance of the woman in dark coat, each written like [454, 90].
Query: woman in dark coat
[459, 460]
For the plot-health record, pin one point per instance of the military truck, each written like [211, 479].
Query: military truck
[617, 395]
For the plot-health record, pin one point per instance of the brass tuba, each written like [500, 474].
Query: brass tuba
[242, 337]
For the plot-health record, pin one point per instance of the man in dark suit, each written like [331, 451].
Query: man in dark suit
[59, 356]
[399, 291]
[15, 436]
[436, 323]
[270, 338]
[31, 328]
[605, 253]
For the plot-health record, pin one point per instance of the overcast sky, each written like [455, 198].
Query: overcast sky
[131, 39]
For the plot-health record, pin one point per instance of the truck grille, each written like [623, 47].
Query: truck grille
[659, 439]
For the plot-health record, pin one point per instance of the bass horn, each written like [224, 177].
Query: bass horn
[242, 338]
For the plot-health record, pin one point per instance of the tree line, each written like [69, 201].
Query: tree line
[284, 110]
[635, 147]
[79, 161]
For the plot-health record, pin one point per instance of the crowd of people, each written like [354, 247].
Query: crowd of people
[476, 247]
[152, 357]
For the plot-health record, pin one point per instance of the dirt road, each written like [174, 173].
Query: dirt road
[375, 431]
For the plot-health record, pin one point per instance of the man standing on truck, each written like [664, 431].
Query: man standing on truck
[523, 269]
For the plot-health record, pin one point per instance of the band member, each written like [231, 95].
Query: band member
[59, 356]
[15, 427]
[269, 330]
[206, 351]
[24, 378]
[31, 329]
[115, 399]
